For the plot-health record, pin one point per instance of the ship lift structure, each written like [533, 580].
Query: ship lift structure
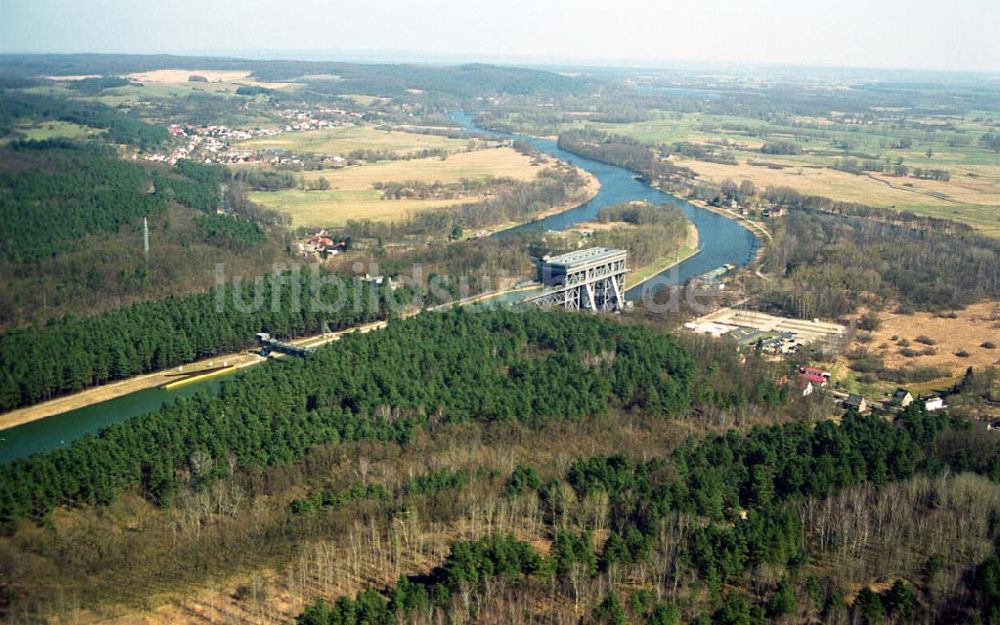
[590, 279]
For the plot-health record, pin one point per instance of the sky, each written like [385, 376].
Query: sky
[917, 34]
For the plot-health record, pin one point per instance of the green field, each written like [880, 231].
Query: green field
[56, 129]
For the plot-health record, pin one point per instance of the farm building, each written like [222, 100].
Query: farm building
[856, 402]
[902, 398]
[933, 403]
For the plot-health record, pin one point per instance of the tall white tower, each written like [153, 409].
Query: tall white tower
[145, 238]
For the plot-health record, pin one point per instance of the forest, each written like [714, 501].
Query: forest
[829, 265]
[457, 366]
[53, 198]
[747, 492]
[624, 152]
[71, 353]
[119, 127]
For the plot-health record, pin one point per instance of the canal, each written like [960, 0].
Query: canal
[721, 241]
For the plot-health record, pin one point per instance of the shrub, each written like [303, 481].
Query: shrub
[962, 353]
[909, 352]
[989, 345]
[926, 340]
[904, 343]
[928, 351]
[908, 375]
[870, 364]
[869, 322]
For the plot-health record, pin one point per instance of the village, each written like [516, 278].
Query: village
[216, 143]
[781, 336]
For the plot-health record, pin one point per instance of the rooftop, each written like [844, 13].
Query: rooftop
[584, 257]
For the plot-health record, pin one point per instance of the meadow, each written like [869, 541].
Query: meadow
[351, 195]
[55, 130]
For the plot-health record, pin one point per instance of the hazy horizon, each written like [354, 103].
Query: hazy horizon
[850, 34]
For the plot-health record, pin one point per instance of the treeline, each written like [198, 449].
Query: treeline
[516, 202]
[790, 198]
[199, 186]
[119, 127]
[624, 152]
[829, 263]
[456, 366]
[702, 152]
[374, 156]
[94, 85]
[897, 168]
[264, 179]
[252, 90]
[73, 353]
[239, 204]
[781, 147]
[53, 198]
[416, 189]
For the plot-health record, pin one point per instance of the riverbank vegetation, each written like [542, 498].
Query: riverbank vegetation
[652, 232]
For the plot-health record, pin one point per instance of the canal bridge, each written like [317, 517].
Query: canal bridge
[590, 279]
[268, 345]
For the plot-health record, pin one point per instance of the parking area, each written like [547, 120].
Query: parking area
[748, 325]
